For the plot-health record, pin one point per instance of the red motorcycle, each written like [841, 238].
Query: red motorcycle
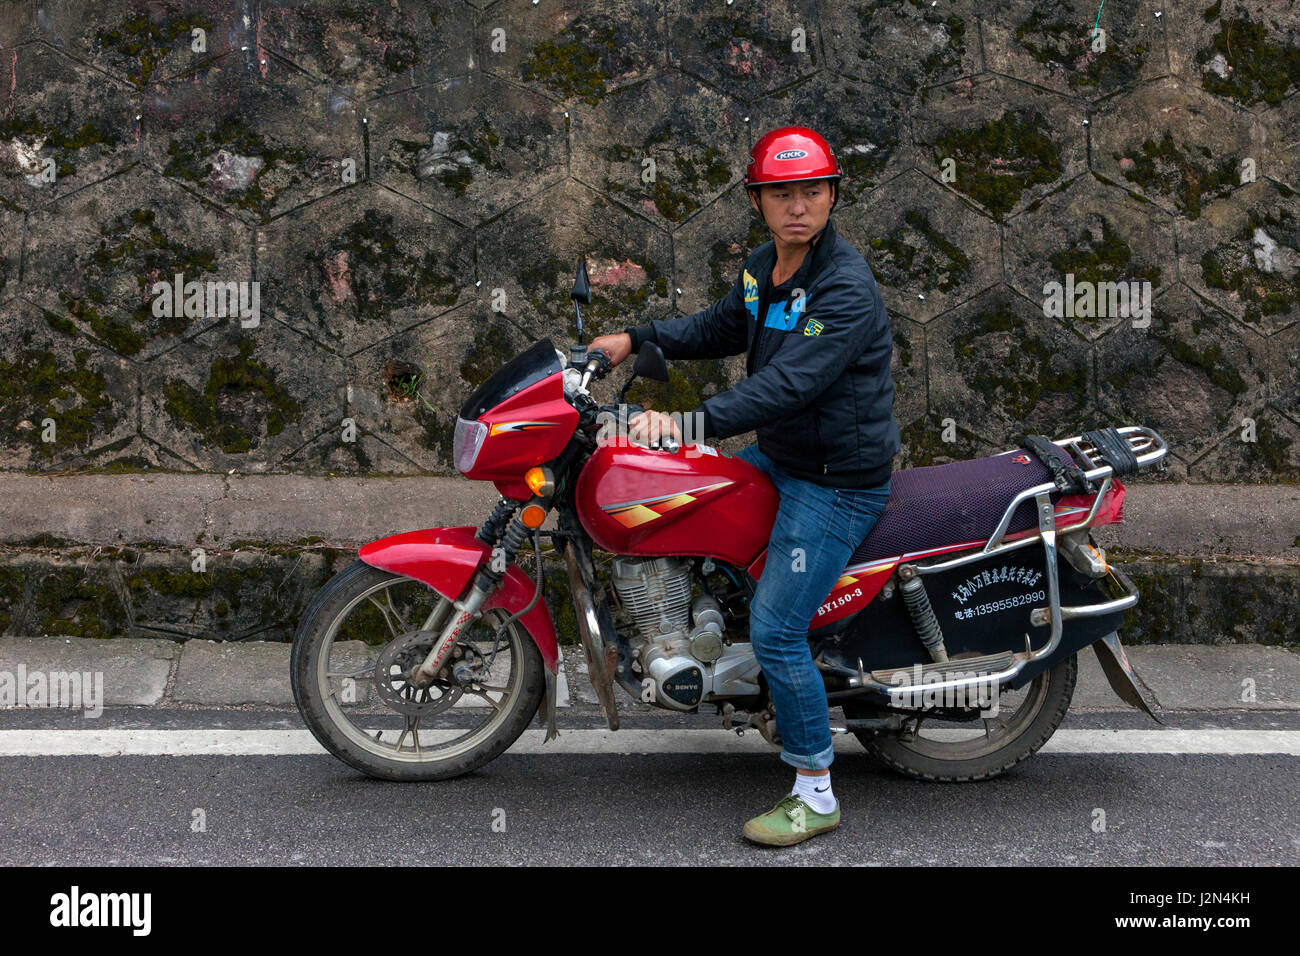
[949, 642]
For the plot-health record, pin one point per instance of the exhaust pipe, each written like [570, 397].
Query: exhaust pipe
[601, 657]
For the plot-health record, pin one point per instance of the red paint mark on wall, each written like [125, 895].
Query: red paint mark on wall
[338, 277]
[625, 273]
[13, 83]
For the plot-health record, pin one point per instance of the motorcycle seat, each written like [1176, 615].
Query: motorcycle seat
[939, 506]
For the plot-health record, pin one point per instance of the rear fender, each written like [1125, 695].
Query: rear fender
[1123, 679]
[446, 559]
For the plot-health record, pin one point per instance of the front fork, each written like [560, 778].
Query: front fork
[486, 581]
[464, 612]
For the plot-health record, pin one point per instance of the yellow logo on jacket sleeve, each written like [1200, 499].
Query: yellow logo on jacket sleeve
[751, 288]
[813, 327]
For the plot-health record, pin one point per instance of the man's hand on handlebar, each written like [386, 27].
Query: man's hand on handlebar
[619, 346]
[651, 428]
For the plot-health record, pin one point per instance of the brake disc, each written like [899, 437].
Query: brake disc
[398, 661]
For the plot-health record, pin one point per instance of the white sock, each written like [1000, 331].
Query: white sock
[815, 791]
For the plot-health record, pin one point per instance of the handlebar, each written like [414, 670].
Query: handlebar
[597, 366]
[592, 414]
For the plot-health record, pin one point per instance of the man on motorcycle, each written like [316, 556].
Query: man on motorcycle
[819, 393]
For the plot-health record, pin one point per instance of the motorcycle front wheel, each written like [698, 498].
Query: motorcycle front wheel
[362, 633]
[961, 746]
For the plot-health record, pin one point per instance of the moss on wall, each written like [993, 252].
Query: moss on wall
[35, 386]
[998, 160]
[145, 42]
[387, 270]
[213, 412]
[680, 187]
[1026, 372]
[64, 141]
[937, 263]
[132, 240]
[1232, 266]
[1161, 167]
[940, 59]
[1101, 258]
[1257, 69]
[190, 158]
[1059, 36]
[571, 66]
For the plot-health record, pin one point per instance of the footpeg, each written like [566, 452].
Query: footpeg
[765, 723]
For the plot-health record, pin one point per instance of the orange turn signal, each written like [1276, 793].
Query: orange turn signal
[533, 516]
[540, 482]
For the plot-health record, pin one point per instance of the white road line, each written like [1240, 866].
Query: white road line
[199, 742]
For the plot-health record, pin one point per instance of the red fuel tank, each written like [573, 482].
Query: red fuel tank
[635, 500]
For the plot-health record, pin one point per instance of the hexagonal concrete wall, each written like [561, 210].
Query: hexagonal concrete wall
[407, 188]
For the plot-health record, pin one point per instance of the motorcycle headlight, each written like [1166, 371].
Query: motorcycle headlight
[467, 442]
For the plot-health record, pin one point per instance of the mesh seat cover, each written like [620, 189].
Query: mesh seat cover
[941, 505]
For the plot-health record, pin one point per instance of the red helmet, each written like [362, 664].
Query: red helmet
[789, 155]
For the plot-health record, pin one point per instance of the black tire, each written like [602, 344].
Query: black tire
[1056, 687]
[341, 593]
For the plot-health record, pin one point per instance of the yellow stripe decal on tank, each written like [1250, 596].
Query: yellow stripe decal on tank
[638, 512]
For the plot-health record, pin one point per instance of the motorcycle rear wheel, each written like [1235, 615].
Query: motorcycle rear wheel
[949, 755]
[337, 691]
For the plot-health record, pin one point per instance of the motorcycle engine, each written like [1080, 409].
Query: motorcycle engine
[681, 645]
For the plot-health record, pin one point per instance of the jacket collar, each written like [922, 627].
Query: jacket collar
[823, 244]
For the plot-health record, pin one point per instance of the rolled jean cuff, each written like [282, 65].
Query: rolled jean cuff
[820, 761]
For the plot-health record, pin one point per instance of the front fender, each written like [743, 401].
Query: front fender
[447, 558]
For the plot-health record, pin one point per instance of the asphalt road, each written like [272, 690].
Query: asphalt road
[679, 808]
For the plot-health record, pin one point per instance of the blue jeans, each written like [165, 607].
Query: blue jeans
[817, 529]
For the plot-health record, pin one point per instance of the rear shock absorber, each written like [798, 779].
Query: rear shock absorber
[922, 614]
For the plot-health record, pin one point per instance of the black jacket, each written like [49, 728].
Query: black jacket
[819, 393]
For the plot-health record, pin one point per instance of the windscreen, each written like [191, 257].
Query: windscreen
[526, 368]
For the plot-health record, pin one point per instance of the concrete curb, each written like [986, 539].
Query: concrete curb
[135, 671]
[214, 674]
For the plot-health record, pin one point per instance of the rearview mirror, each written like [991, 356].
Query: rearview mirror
[581, 287]
[650, 363]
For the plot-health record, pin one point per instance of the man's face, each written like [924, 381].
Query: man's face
[795, 212]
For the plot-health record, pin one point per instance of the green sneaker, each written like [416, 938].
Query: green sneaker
[790, 821]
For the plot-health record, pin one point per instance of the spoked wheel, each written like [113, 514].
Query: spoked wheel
[958, 745]
[357, 645]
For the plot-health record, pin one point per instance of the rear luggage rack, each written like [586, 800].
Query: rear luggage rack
[1133, 446]
[1146, 448]
[1104, 453]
